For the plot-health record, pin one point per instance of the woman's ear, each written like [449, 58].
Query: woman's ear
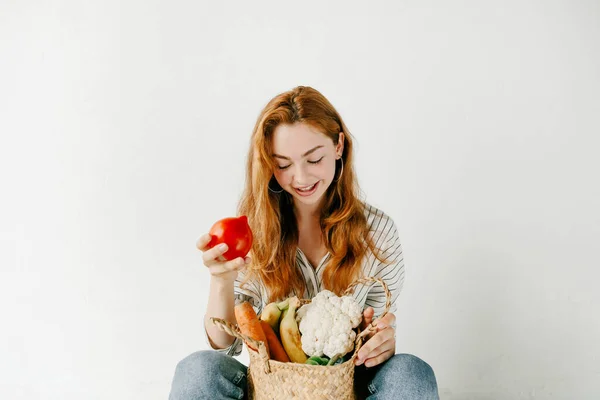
[339, 148]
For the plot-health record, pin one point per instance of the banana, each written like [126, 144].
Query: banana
[290, 334]
[271, 314]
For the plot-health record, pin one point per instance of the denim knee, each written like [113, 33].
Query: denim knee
[405, 376]
[208, 374]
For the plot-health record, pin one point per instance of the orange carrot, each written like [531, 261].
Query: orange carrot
[249, 323]
[275, 347]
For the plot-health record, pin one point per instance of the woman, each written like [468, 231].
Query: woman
[311, 232]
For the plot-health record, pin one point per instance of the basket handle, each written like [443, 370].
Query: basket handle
[234, 331]
[388, 303]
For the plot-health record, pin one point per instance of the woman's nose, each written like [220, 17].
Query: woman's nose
[300, 176]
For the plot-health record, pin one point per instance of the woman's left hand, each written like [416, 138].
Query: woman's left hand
[380, 345]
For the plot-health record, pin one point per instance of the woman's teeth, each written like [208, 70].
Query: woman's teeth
[308, 189]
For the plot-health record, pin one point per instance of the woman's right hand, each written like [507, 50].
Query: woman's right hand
[220, 269]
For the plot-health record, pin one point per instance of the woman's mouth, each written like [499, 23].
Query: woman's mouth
[307, 190]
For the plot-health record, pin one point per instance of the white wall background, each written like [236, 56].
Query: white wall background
[124, 128]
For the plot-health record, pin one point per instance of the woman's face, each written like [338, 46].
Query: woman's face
[305, 161]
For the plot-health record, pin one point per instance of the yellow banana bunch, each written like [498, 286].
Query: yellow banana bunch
[290, 333]
[271, 314]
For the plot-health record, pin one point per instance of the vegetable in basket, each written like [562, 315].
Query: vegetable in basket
[327, 323]
[276, 350]
[249, 324]
[316, 360]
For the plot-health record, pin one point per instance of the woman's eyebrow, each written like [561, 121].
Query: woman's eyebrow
[303, 155]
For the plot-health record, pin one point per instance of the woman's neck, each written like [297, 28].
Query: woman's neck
[307, 217]
[310, 237]
[308, 214]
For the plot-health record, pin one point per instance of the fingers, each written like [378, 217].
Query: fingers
[229, 266]
[387, 345]
[380, 342]
[210, 257]
[367, 317]
[203, 241]
[371, 362]
[388, 320]
[217, 265]
[377, 340]
[236, 264]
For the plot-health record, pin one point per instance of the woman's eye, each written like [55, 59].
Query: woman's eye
[283, 167]
[315, 162]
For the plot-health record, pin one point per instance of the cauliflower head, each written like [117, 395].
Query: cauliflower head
[327, 323]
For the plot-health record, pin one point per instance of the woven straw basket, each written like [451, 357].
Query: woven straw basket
[274, 380]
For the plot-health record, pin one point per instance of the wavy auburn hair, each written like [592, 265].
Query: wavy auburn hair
[271, 215]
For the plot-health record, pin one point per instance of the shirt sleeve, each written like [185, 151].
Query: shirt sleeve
[391, 271]
[249, 292]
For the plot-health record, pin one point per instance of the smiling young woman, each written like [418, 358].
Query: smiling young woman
[300, 145]
[311, 232]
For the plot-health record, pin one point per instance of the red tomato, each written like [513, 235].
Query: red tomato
[235, 233]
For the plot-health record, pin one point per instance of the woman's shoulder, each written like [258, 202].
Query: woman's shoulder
[378, 221]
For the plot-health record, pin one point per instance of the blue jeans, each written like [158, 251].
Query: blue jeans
[213, 375]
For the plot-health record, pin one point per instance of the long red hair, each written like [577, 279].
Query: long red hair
[271, 215]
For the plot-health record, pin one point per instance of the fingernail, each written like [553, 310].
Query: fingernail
[247, 260]
[222, 247]
[358, 361]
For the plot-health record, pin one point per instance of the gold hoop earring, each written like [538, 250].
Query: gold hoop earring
[341, 170]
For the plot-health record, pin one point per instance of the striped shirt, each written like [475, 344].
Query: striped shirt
[385, 237]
